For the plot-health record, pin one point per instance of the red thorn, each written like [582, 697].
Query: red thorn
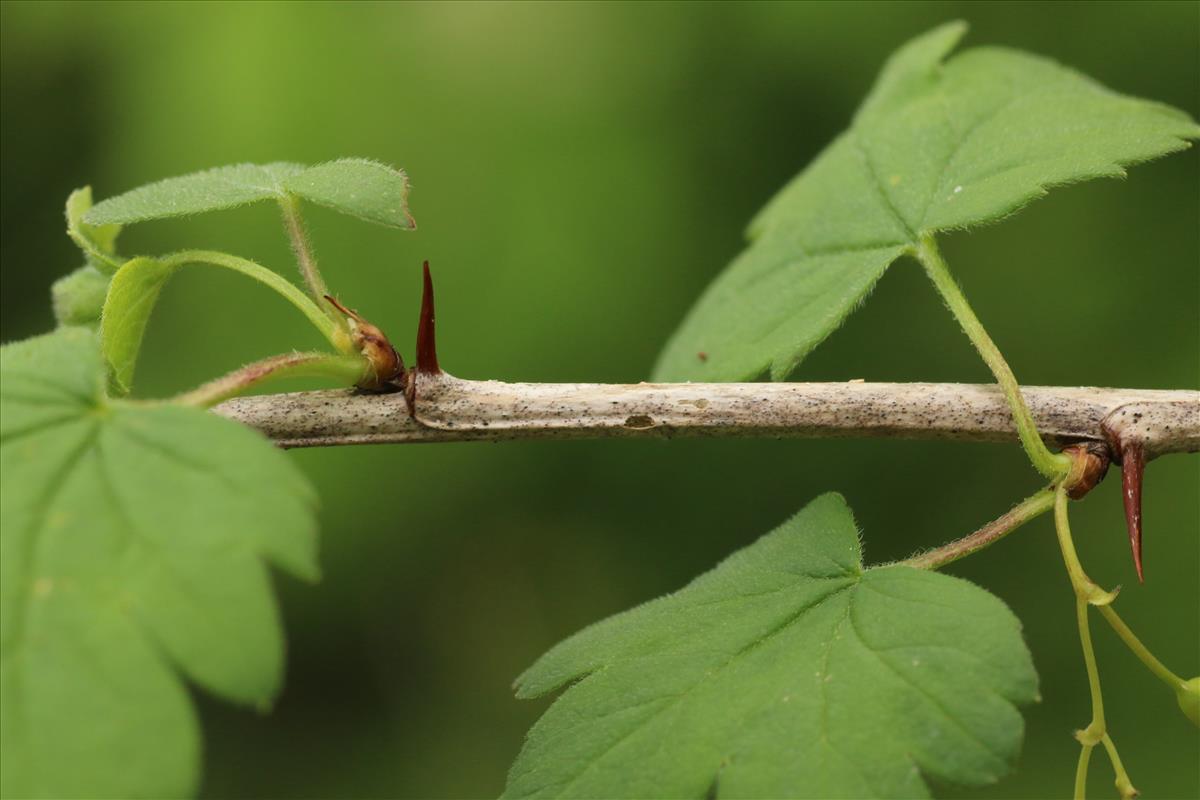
[427, 361]
[1133, 467]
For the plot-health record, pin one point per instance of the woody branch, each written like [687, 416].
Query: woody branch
[449, 409]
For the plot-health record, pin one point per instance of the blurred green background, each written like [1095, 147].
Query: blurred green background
[580, 172]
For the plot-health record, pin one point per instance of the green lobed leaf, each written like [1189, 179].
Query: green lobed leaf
[786, 671]
[934, 147]
[78, 297]
[210, 190]
[98, 242]
[362, 188]
[132, 549]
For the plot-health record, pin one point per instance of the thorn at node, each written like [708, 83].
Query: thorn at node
[1133, 469]
[427, 360]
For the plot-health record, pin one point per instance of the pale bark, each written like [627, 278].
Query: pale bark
[450, 409]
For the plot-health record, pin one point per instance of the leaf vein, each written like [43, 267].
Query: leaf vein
[933, 701]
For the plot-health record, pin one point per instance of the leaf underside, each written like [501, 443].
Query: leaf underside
[359, 187]
[934, 147]
[129, 302]
[786, 671]
[132, 547]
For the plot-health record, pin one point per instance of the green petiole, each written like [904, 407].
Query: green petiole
[294, 223]
[1054, 466]
[1088, 593]
[345, 369]
[1028, 509]
[1160, 671]
[333, 330]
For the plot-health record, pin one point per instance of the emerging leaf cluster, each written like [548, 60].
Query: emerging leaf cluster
[135, 537]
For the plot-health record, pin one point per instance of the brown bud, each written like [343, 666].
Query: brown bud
[1091, 465]
[387, 367]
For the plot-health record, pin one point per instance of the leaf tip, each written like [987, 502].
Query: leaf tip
[929, 48]
[79, 202]
[526, 686]
[953, 30]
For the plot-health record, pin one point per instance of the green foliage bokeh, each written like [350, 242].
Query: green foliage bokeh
[580, 172]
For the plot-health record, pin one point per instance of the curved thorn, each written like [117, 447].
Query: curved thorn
[427, 361]
[1133, 467]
